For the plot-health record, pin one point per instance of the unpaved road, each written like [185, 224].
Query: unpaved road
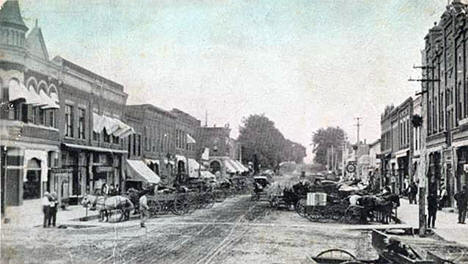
[235, 231]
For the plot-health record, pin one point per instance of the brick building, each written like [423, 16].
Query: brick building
[153, 141]
[445, 57]
[396, 150]
[62, 127]
[30, 138]
[93, 131]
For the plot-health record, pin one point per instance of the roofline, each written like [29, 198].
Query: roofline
[87, 72]
[152, 107]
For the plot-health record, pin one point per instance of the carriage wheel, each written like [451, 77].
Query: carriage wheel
[342, 253]
[179, 205]
[300, 207]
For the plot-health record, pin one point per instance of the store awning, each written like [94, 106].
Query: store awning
[91, 148]
[207, 174]
[18, 92]
[151, 161]
[229, 167]
[113, 126]
[236, 166]
[35, 99]
[180, 157]
[190, 140]
[49, 103]
[139, 171]
[241, 166]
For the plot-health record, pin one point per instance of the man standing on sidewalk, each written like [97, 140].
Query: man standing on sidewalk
[144, 209]
[46, 208]
[412, 192]
[462, 201]
[432, 210]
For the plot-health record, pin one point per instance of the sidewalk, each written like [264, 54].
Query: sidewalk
[446, 223]
[30, 215]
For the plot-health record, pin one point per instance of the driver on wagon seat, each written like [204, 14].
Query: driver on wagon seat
[302, 186]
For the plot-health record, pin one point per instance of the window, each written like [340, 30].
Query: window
[134, 144]
[51, 121]
[96, 136]
[68, 121]
[107, 137]
[115, 139]
[139, 145]
[81, 123]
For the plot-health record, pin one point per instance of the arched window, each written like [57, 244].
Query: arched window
[41, 113]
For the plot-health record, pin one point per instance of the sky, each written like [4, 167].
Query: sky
[305, 64]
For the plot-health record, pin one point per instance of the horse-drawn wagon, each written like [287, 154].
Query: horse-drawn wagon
[329, 201]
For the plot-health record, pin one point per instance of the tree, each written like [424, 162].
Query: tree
[264, 143]
[323, 139]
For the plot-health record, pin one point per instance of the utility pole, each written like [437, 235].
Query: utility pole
[358, 125]
[423, 160]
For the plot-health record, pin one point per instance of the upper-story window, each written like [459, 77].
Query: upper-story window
[107, 137]
[68, 120]
[81, 123]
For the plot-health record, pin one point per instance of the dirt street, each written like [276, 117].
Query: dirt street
[235, 231]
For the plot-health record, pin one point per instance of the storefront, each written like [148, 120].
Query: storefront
[89, 168]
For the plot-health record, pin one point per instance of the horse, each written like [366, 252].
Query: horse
[380, 207]
[106, 205]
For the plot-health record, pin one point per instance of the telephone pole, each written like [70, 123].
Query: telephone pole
[358, 125]
[423, 168]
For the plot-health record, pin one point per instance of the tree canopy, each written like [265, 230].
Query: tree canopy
[323, 139]
[259, 137]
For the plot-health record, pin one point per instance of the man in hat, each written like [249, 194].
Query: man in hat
[462, 201]
[46, 208]
[53, 209]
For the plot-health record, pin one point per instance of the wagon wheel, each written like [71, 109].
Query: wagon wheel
[342, 252]
[155, 207]
[203, 200]
[210, 199]
[179, 205]
[191, 203]
[314, 214]
[300, 207]
[350, 216]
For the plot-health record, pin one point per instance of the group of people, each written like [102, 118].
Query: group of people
[49, 208]
[435, 203]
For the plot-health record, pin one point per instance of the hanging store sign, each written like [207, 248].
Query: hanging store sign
[104, 169]
[351, 168]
